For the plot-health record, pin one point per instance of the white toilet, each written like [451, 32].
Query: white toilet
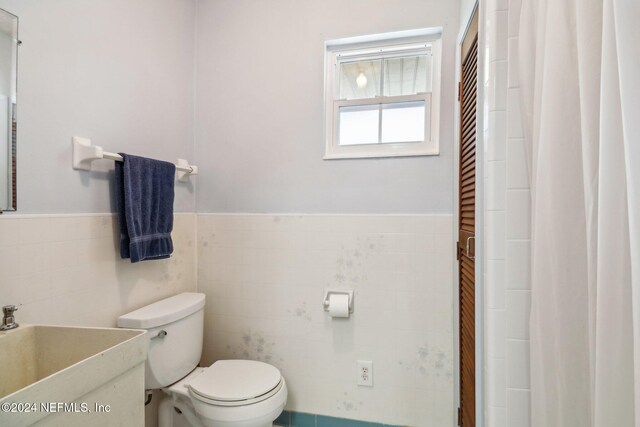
[229, 393]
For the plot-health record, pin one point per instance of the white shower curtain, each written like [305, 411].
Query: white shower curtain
[580, 86]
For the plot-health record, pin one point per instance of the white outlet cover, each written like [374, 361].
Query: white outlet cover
[365, 373]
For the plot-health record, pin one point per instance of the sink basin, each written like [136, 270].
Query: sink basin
[45, 364]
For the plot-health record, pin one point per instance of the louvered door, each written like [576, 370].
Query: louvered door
[466, 226]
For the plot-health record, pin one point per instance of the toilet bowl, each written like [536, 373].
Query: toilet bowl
[256, 405]
[229, 393]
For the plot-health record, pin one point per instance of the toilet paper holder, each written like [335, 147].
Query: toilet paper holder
[329, 292]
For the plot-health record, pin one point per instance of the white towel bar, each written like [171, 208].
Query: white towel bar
[84, 153]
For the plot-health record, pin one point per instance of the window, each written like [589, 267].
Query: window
[382, 95]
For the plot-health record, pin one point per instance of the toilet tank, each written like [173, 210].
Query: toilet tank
[174, 354]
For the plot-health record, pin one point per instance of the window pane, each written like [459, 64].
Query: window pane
[360, 79]
[407, 75]
[403, 122]
[359, 125]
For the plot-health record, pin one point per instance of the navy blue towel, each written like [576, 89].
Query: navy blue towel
[144, 200]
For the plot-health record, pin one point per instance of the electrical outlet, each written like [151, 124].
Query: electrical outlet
[365, 373]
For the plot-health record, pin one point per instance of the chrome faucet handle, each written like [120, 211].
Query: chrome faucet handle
[9, 321]
[9, 309]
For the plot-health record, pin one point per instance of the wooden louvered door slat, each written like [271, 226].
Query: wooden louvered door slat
[466, 226]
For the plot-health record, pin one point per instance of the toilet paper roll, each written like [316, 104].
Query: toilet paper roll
[339, 305]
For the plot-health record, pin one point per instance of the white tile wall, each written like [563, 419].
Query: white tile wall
[518, 264]
[497, 136]
[514, 118]
[264, 277]
[498, 4]
[507, 227]
[496, 186]
[497, 35]
[518, 214]
[514, 17]
[518, 364]
[512, 45]
[516, 164]
[497, 396]
[495, 341]
[518, 304]
[67, 269]
[496, 415]
[518, 408]
[497, 94]
[496, 233]
[496, 293]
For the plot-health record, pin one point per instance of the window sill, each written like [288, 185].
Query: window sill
[374, 155]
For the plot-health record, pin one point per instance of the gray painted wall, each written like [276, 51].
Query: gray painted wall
[119, 72]
[259, 109]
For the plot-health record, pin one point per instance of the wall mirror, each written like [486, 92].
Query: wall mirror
[8, 100]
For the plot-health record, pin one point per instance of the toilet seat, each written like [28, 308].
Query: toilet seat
[251, 401]
[236, 383]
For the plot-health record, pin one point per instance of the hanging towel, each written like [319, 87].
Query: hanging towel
[144, 201]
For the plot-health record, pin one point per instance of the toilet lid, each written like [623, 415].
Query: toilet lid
[234, 380]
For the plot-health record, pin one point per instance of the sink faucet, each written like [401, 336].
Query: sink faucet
[8, 321]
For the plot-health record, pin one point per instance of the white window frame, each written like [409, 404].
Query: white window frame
[406, 43]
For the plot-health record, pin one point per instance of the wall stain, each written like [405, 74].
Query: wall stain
[348, 404]
[301, 312]
[253, 346]
[351, 263]
[430, 361]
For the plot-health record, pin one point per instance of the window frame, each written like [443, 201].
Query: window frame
[384, 46]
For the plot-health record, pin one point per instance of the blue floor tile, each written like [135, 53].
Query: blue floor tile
[300, 419]
[323, 421]
[284, 419]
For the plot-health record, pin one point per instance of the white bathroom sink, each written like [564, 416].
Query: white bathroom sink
[41, 365]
